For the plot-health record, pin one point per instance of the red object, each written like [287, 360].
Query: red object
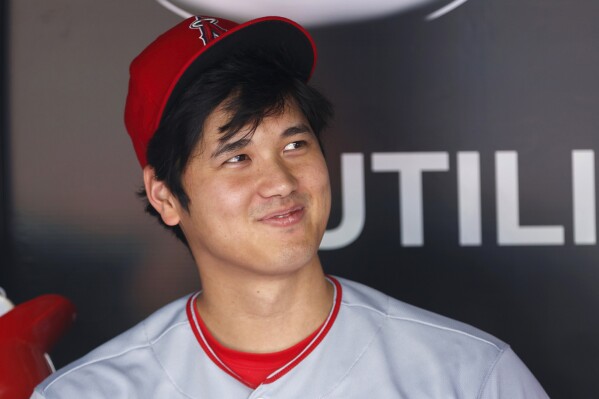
[255, 369]
[27, 333]
[162, 71]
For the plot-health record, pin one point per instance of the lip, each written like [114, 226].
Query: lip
[284, 217]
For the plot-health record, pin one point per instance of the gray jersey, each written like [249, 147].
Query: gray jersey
[378, 347]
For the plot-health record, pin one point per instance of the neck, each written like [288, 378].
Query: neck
[262, 314]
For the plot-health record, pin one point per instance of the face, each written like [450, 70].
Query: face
[259, 203]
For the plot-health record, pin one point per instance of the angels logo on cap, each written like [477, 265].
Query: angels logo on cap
[209, 28]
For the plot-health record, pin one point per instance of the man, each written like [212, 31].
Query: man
[227, 132]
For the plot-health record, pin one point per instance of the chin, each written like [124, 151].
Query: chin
[290, 258]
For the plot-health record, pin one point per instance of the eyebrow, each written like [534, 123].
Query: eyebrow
[297, 129]
[245, 141]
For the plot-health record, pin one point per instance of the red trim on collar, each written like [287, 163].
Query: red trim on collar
[204, 339]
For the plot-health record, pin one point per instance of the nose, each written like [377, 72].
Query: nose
[277, 179]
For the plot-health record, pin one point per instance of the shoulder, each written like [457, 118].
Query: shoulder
[401, 339]
[368, 302]
[117, 365]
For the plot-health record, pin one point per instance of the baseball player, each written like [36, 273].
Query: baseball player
[227, 130]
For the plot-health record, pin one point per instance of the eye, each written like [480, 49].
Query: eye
[295, 145]
[237, 158]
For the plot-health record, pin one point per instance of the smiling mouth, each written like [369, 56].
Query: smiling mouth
[284, 218]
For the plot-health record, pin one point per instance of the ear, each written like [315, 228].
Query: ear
[161, 198]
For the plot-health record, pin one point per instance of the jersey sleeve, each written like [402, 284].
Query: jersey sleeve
[511, 379]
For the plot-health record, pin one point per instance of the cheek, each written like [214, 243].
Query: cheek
[226, 199]
[317, 178]
[321, 195]
[326, 188]
[223, 200]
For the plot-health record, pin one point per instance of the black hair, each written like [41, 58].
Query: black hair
[251, 86]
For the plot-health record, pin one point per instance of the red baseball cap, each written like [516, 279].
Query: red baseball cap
[162, 71]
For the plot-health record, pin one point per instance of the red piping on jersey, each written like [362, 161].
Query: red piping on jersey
[193, 317]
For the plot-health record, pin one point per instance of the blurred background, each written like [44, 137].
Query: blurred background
[464, 136]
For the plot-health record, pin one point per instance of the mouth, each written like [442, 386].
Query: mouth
[284, 217]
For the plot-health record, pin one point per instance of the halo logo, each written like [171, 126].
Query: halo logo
[208, 27]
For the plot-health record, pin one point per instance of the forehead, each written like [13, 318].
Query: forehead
[220, 125]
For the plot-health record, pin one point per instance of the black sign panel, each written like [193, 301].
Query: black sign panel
[463, 165]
